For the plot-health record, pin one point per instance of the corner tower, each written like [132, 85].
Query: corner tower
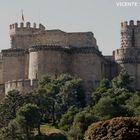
[128, 55]
[22, 36]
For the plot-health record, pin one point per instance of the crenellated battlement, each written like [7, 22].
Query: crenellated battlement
[21, 85]
[131, 23]
[130, 34]
[25, 28]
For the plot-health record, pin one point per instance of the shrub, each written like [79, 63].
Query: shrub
[121, 128]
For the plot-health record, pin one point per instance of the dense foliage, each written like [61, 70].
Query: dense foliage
[121, 128]
[60, 102]
[22, 114]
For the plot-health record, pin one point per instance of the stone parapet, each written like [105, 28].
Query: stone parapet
[24, 86]
[25, 28]
[130, 24]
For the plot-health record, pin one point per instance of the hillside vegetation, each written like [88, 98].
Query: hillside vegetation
[58, 110]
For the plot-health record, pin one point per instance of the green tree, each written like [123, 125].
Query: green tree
[108, 108]
[61, 93]
[100, 91]
[28, 117]
[67, 119]
[49, 88]
[122, 80]
[44, 81]
[133, 104]
[11, 132]
[72, 93]
[80, 124]
[9, 105]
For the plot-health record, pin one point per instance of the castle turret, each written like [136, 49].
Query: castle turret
[25, 29]
[128, 56]
[130, 34]
[22, 36]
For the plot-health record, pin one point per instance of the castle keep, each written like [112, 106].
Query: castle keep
[36, 51]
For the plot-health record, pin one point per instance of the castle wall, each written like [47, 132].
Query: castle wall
[26, 65]
[25, 37]
[111, 67]
[24, 86]
[89, 66]
[48, 60]
[137, 35]
[82, 39]
[13, 64]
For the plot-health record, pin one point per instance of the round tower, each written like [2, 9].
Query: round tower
[128, 55]
[46, 59]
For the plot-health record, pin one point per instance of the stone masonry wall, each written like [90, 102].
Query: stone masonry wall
[130, 34]
[85, 63]
[47, 60]
[25, 37]
[24, 86]
[14, 62]
[89, 67]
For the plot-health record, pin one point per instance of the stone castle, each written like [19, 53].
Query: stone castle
[36, 52]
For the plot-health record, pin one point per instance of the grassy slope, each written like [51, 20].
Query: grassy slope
[47, 129]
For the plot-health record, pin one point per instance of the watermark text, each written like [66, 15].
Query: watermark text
[127, 4]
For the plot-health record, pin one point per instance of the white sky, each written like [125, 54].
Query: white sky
[102, 17]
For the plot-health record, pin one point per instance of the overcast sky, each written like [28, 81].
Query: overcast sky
[102, 17]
